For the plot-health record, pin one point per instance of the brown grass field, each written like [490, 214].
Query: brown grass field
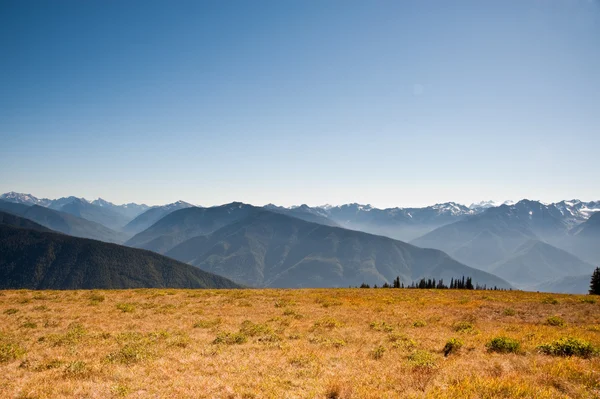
[314, 343]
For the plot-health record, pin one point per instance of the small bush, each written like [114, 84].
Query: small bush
[463, 326]
[126, 307]
[569, 347]
[422, 359]
[550, 301]
[251, 329]
[452, 346]
[401, 341]
[378, 352]
[10, 311]
[381, 326]
[588, 299]
[328, 322]
[29, 324]
[509, 312]
[419, 323]
[229, 338]
[207, 323]
[555, 321]
[503, 345]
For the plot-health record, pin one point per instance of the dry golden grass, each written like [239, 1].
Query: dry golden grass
[335, 343]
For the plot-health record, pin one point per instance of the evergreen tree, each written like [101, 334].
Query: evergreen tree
[595, 282]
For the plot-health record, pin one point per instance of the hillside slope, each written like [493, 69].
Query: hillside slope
[153, 215]
[535, 262]
[186, 223]
[63, 222]
[9, 219]
[41, 260]
[274, 250]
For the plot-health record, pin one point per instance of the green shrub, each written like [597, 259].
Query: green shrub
[503, 345]
[555, 321]
[381, 326]
[569, 347]
[550, 300]
[229, 338]
[452, 346]
[292, 313]
[422, 359]
[463, 326]
[126, 307]
[11, 311]
[509, 312]
[328, 322]
[29, 324]
[419, 323]
[588, 299]
[378, 352]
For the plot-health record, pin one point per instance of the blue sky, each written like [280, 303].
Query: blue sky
[393, 103]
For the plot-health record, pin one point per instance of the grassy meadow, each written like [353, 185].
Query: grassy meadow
[314, 343]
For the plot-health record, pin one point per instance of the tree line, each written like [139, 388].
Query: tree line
[461, 283]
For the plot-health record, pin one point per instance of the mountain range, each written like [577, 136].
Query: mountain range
[32, 257]
[269, 249]
[527, 243]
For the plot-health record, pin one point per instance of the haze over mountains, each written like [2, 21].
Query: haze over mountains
[528, 243]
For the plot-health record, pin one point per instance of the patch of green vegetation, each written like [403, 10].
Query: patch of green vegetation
[126, 307]
[334, 342]
[401, 341]
[452, 346]
[208, 323]
[588, 299]
[555, 321]
[509, 312]
[463, 327]
[569, 346]
[419, 323]
[292, 313]
[10, 311]
[550, 300]
[378, 352]
[283, 303]
[328, 322]
[9, 350]
[503, 345]
[230, 338]
[29, 324]
[422, 359]
[381, 326]
[74, 334]
[134, 348]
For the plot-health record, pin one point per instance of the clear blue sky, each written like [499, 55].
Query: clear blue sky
[393, 103]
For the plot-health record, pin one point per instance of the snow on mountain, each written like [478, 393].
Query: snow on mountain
[26, 199]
